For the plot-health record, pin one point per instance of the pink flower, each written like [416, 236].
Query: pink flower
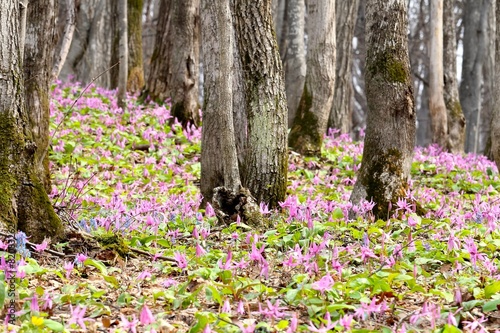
[77, 316]
[42, 247]
[144, 275]
[240, 309]
[129, 326]
[200, 251]
[47, 302]
[324, 284]
[146, 317]
[293, 324]
[34, 304]
[80, 258]
[68, 266]
[181, 260]
[226, 308]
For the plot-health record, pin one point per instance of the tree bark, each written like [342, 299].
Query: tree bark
[135, 81]
[218, 134]
[38, 54]
[69, 30]
[175, 60]
[90, 51]
[123, 53]
[475, 22]
[390, 131]
[311, 121]
[495, 124]
[456, 119]
[360, 106]
[24, 204]
[437, 107]
[280, 19]
[295, 57]
[341, 113]
[265, 168]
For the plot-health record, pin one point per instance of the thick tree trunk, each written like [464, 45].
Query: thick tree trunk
[341, 113]
[390, 131]
[311, 121]
[475, 22]
[135, 81]
[174, 64]
[123, 53]
[24, 204]
[456, 119]
[295, 57]
[266, 160]
[495, 124]
[67, 37]
[439, 118]
[90, 52]
[38, 54]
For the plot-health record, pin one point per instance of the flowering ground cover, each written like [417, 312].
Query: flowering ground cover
[141, 256]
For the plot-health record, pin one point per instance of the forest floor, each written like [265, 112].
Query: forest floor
[141, 256]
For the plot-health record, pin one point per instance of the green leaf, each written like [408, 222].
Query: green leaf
[491, 289]
[451, 329]
[338, 214]
[2, 294]
[112, 280]
[282, 324]
[97, 264]
[53, 325]
[491, 305]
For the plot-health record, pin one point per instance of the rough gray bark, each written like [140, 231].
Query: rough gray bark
[456, 119]
[24, 204]
[90, 51]
[495, 124]
[295, 56]
[150, 17]
[311, 121]
[123, 53]
[341, 113]
[390, 131]
[69, 30]
[135, 80]
[266, 160]
[280, 19]
[475, 27]
[219, 163]
[38, 54]
[437, 107]
[175, 60]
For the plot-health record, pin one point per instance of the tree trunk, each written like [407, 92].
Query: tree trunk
[437, 108]
[295, 57]
[456, 119]
[358, 70]
[311, 121]
[280, 19]
[341, 113]
[495, 124]
[69, 30]
[38, 54]
[218, 134]
[150, 14]
[135, 81]
[475, 22]
[123, 53]
[390, 131]
[265, 168]
[90, 53]
[174, 64]
[24, 204]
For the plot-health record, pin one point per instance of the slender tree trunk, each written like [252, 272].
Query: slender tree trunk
[475, 21]
[67, 37]
[280, 19]
[390, 131]
[360, 107]
[456, 119]
[150, 15]
[135, 81]
[123, 52]
[437, 107]
[218, 134]
[24, 204]
[341, 113]
[265, 167]
[38, 54]
[311, 121]
[495, 124]
[174, 64]
[295, 57]
[91, 47]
